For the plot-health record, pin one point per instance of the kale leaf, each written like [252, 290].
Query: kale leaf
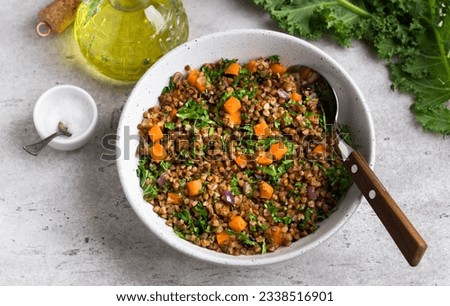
[412, 36]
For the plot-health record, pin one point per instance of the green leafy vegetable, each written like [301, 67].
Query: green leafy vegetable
[165, 165]
[270, 206]
[412, 36]
[307, 217]
[170, 125]
[287, 119]
[254, 228]
[276, 172]
[277, 124]
[274, 58]
[196, 220]
[170, 87]
[234, 186]
[213, 75]
[248, 240]
[194, 111]
[202, 218]
[148, 175]
[339, 180]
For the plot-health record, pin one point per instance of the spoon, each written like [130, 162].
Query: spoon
[408, 240]
[36, 148]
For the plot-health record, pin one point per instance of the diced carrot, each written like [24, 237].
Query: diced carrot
[234, 118]
[157, 152]
[241, 160]
[278, 68]
[278, 150]
[265, 190]
[155, 133]
[174, 198]
[251, 66]
[194, 187]
[278, 236]
[263, 158]
[172, 114]
[222, 238]
[319, 149]
[192, 77]
[237, 224]
[261, 129]
[233, 69]
[296, 96]
[232, 105]
[200, 84]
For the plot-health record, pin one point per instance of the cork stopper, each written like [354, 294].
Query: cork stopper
[56, 17]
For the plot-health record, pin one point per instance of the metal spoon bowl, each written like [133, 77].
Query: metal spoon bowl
[36, 148]
[408, 240]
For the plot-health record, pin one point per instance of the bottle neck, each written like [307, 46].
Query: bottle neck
[130, 5]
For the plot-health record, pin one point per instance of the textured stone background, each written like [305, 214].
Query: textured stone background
[64, 219]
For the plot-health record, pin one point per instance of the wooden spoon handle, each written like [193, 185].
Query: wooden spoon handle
[403, 233]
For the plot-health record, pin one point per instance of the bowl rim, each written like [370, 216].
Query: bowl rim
[210, 256]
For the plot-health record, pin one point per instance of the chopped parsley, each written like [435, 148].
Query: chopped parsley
[273, 58]
[272, 208]
[196, 219]
[287, 119]
[234, 186]
[170, 87]
[275, 172]
[170, 125]
[195, 111]
[306, 218]
[214, 74]
[148, 173]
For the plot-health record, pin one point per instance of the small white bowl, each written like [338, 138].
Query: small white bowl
[243, 45]
[71, 105]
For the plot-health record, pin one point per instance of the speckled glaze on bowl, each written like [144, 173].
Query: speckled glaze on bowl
[242, 45]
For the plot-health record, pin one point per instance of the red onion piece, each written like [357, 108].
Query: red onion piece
[259, 177]
[312, 193]
[283, 94]
[162, 179]
[229, 197]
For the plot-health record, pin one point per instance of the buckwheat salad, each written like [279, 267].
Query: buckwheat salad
[237, 157]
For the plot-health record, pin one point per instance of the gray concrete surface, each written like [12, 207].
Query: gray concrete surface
[64, 219]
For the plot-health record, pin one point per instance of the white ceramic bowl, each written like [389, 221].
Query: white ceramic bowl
[242, 45]
[71, 105]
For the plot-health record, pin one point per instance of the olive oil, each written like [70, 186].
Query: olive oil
[123, 38]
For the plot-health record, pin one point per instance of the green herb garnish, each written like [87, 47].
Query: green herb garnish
[306, 218]
[165, 165]
[275, 172]
[170, 125]
[234, 186]
[196, 220]
[170, 87]
[273, 58]
[195, 111]
[148, 173]
[287, 119]
[270, 206]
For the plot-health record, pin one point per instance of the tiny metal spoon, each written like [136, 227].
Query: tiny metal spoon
[36, 148]
[408, 240]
